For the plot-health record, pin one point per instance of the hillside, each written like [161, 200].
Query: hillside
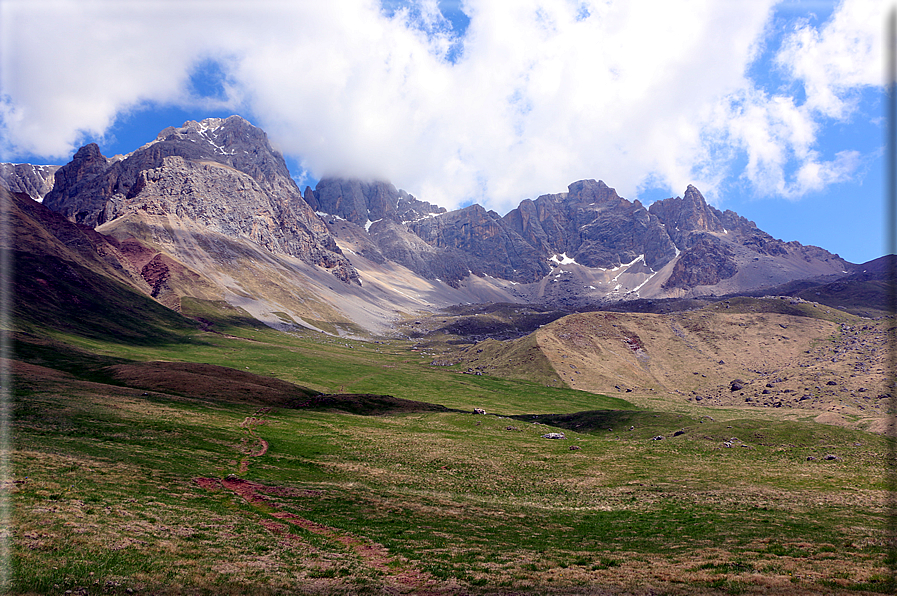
[750, 353]
[204, 459]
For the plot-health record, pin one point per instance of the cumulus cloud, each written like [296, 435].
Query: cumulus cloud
[834, 61]
[832, 65]
[536, 94]
[70, 68]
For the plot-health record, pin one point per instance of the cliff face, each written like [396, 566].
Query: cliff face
[365, 202]
[221, 175]
[594, 226]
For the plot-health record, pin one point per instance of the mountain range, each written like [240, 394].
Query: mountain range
[328, 390]
[209, 211]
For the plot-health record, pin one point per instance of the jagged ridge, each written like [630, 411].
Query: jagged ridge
[196, 192]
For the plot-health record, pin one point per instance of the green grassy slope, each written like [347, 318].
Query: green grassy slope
[115, 490]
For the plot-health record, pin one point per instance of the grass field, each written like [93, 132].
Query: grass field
[129, 489]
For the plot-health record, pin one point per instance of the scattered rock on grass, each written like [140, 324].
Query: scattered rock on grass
[554, 436]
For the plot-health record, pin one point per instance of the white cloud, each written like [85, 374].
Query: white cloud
[69, 68]
[833, 61]
[544, 92]
[832, 64]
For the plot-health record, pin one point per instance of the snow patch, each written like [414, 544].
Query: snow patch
[563, 259]
[369, 223]
[203, 132]
[639, 287]
[422, 217]
[627, 266]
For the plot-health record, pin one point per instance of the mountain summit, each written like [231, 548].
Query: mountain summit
[219, 174]
[576, 248]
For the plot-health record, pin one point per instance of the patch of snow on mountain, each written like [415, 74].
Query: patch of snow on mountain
[562, 259]
[639, 287]
[425, 216]
[627, 266]
[204, 134]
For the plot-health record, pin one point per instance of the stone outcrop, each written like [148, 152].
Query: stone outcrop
[366, 202]
[682, 216]
[706, 262]
[492, 247]
[594, 226]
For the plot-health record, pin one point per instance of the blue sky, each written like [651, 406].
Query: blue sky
[772, 109]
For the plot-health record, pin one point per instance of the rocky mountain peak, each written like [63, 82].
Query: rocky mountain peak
[221, 174]
[685, 215]
[591, 191]
[363, 202]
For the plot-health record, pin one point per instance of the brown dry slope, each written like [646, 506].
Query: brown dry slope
[779, 352]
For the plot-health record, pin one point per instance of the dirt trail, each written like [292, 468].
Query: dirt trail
[399, 573]
[402, 577]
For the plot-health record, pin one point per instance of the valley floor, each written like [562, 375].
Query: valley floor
[133, 488]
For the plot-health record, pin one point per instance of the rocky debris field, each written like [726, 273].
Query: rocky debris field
[845, 373]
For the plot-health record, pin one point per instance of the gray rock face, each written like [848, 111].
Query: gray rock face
[594, 226]
[492, 247]
[589, 223]
[34, 181]
[363, 202]
[706, 262]
[386, 214]
[400, 245]
[221, 174]
[681, 216]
